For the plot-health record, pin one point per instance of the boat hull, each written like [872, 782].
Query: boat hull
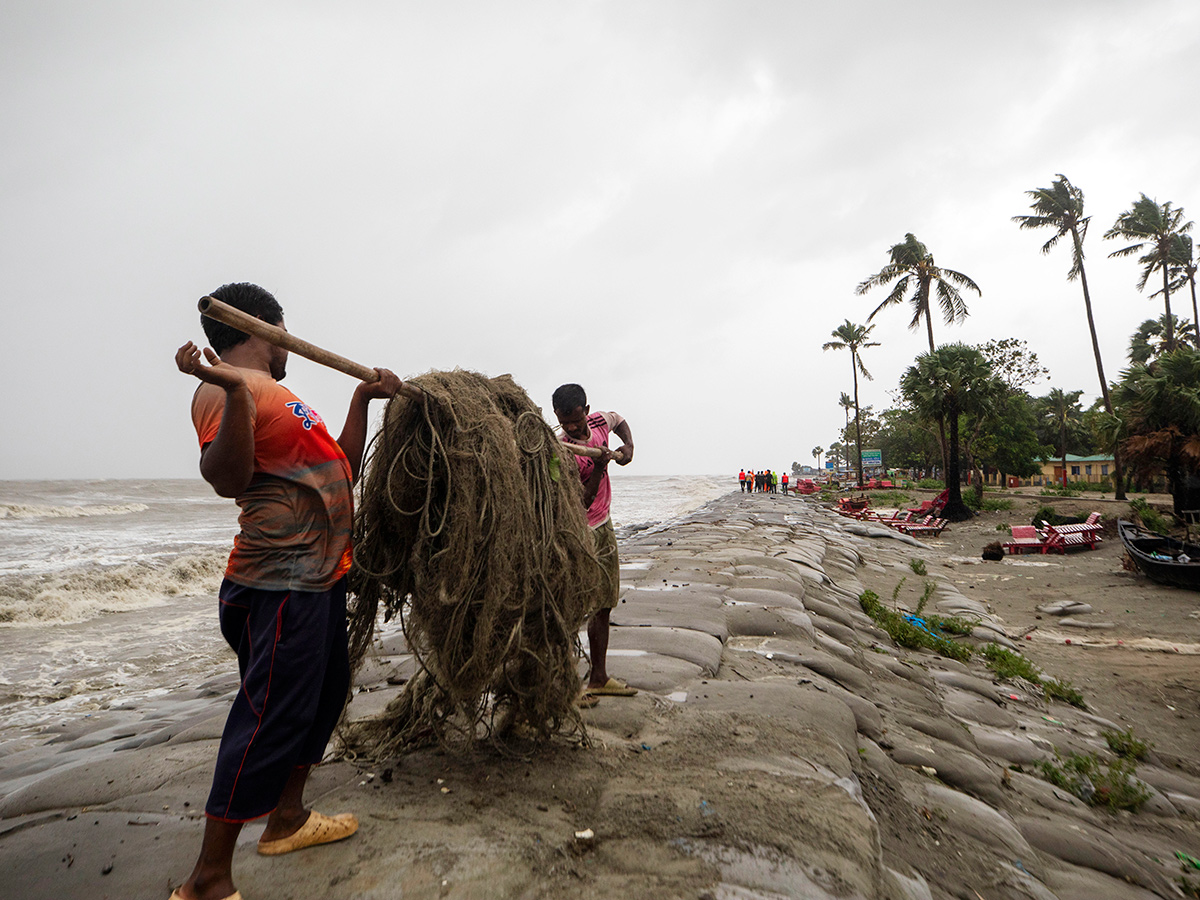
[1157, 556]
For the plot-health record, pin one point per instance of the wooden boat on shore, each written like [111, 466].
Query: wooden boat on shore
[1164, 559]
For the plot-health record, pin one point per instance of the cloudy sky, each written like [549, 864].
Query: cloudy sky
[668, 202]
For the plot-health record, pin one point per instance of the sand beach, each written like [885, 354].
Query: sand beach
[781, 745]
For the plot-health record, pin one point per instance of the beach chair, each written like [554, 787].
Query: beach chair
[932, 507]
[1061, 538]
[893, 517]
[1025, 537]
[930, 526]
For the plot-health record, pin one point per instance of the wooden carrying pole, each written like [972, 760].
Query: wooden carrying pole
[273, 334]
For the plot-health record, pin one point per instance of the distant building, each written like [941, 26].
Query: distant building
[1091, 469]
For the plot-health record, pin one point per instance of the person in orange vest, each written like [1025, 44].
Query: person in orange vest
[742, 480]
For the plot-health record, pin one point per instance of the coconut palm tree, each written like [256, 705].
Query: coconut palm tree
[817, 453]
[1149, 342]
[1062, 407]
[1183, 263]
[912, 267]
[941, 386]
[1060, 207]
[1154, 230]
[855, 339]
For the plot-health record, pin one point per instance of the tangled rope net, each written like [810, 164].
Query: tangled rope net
[471, 529]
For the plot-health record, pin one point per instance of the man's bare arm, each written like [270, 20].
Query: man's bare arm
[227, 461]
[623, 455]
[353, 439]
[592, 486]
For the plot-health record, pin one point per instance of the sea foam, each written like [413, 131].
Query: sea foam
[81, 594]
[32, 511]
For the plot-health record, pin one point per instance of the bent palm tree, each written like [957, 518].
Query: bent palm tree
[854, 338]
[1148, 341]
[1183, 264]
[1060, 207]
[912, 266]
[1154, 229]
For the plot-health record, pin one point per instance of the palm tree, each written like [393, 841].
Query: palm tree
[1147, 342]
[1160, 403]
[1060, 207]
[1183, 264]
[854, 338]
[817, 453]
[943, 385]
[1063, 407]
[912, 266]
[1154, 228]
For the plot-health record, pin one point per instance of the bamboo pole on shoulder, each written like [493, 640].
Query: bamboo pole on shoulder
[273, 334]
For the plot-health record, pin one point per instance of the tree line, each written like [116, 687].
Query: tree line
[961, 407]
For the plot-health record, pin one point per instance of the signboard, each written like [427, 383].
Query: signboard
[872, 458]
[829, 464]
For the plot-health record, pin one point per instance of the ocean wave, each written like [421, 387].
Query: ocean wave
[83, 594]
[29, 511]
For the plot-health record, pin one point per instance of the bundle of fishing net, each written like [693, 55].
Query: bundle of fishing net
[471, 528]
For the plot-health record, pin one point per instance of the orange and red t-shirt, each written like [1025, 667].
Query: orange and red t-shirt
[298, 511]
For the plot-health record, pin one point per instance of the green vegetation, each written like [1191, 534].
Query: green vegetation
[918, 567]
[1149, 516]
[1064, 691]
[988, 504]
[946, 387]
[1110, 785]
[926, 594]
[1127, 745]
[1006, 666]
[909, 635]
[891, 498]
[931, 484]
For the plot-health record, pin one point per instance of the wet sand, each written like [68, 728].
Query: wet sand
[781, 744]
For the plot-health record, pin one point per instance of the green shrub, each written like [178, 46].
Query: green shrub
[931, 484]
[1126, 744]
[918, 567]
[1149, 516]
[1088, 777]
[996, 504]
[908, 635]
[926, 594]
[1064, 691]
[1006, 665]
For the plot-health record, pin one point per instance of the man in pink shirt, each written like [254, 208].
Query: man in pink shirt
[581, 426]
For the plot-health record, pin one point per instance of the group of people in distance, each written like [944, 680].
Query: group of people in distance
[764, 481]
[283, 600]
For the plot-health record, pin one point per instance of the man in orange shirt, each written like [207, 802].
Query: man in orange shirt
[283, 600]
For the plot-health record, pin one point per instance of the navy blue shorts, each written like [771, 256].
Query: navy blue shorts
[291, 648]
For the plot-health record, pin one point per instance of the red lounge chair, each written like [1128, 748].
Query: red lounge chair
[1061, 538]
[930, 525]
[1025, 537]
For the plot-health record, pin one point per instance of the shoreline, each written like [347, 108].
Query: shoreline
[781, 745]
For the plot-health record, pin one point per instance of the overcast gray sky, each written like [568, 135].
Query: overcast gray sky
[668, 202]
